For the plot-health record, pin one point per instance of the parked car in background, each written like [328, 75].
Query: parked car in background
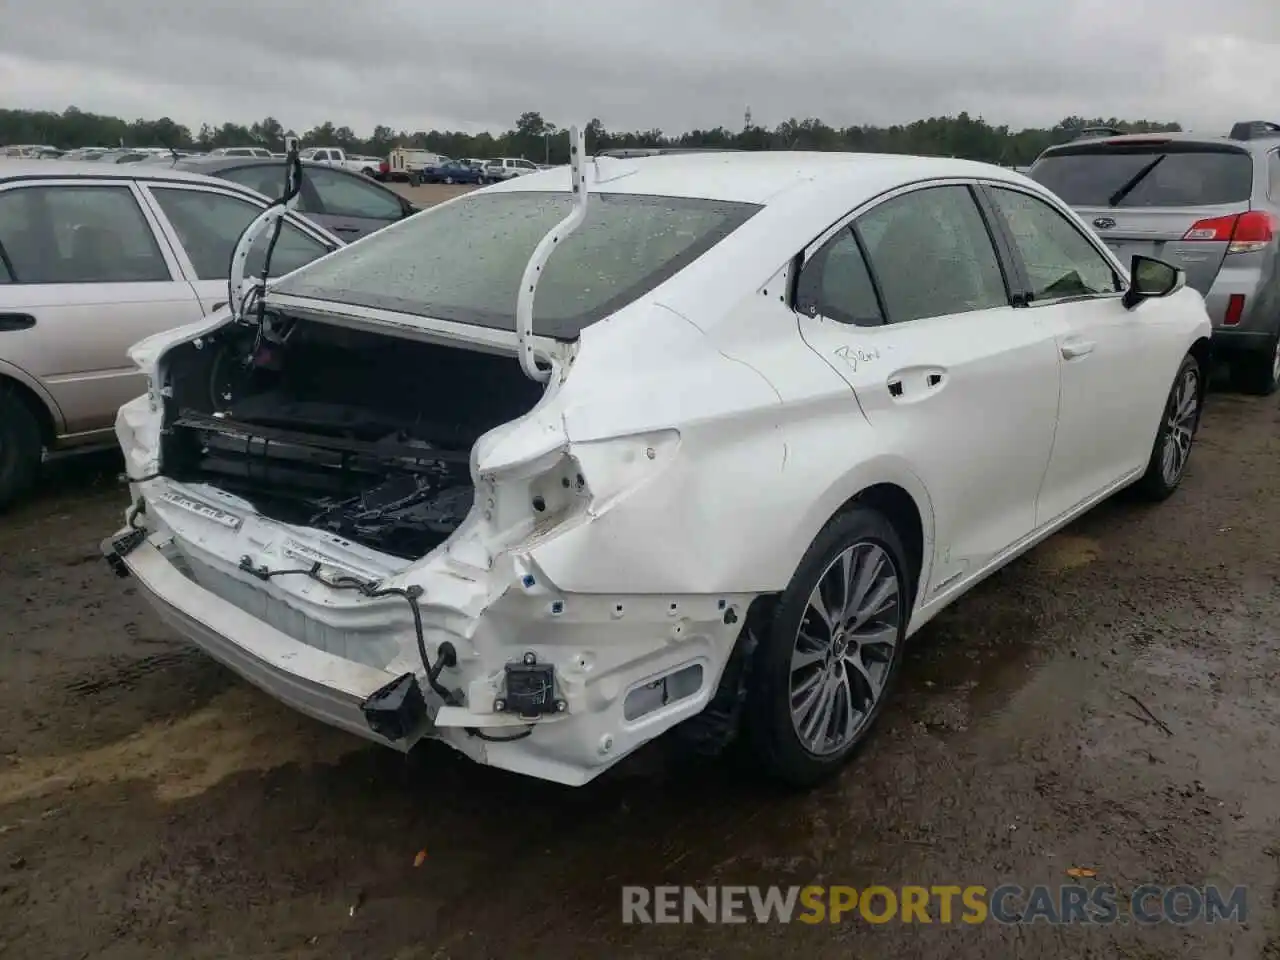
[83, 154]
[241, 152]
[337, 157]
[451, 171]
[506, 168]
[405, 164]
[28, 151]
[93, 258]
[1210, 205]
[925, 365]
[347, 204]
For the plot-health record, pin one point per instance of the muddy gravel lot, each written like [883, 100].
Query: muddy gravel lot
[152, 805]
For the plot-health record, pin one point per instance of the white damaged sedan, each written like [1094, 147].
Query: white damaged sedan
[690, 441]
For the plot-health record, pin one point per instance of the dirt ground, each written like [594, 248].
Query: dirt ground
[154, 806]
[429, 194]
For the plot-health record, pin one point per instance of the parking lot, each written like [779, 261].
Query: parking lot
[1108, 702]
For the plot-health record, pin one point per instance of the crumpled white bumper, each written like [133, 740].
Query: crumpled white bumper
[312, 681]
[627, 667]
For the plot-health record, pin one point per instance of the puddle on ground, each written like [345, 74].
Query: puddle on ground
[237, 732]
[1065, 552]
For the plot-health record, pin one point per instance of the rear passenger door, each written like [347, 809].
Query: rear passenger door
[89, 278]
[910, 304]
[204, 225]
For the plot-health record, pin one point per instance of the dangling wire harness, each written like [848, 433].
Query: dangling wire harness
[448, 656]
[245, 292]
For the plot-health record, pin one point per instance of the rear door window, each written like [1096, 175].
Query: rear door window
[932, 255]
[210, 224]
[1092, 176]
[349, 195]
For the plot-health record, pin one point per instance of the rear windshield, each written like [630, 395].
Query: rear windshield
[1090, 177]
[463, 261]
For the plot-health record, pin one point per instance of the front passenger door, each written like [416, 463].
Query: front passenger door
[910, 305]
[1114, 382]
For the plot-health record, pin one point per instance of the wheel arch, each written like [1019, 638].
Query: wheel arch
[1203, 352]
[33, 396]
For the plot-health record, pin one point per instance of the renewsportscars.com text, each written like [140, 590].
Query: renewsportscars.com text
[943, 904]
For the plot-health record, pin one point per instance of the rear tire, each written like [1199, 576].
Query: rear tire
[1178, 425]
[20, 447]
[1257, 373]
[815, 654]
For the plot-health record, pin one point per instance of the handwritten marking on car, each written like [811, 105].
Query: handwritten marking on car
[856, 355]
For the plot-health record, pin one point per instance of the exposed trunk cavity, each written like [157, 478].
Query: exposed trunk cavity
[362, 434]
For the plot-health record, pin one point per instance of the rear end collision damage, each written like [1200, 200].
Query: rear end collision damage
[379, 570]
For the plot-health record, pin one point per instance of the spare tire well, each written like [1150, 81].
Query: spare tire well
[29, 399]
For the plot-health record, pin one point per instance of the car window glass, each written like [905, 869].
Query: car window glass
[1274, 166]
[346, 195]
[932, 255]
[208, 226]
[268, 180]
[1090, 175]
[627, 246]
[1059, 261]
[837, 284]
[79, 234]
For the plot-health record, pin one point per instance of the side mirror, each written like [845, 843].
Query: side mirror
[1150, 278]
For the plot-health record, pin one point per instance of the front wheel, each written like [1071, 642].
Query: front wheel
[449, 180]
[1178, 425]
[831, 655]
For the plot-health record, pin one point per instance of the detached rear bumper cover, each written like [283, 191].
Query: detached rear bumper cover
[319, 684]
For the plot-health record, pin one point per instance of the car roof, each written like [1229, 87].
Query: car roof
[23, 169]
[223, 162]
[758, 177]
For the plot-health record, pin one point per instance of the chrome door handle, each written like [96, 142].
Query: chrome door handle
[1073, 349]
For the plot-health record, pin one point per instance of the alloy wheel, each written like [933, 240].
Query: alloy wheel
[844, 647]
[1180, 426]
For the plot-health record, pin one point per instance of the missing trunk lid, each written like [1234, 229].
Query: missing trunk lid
[364, 435]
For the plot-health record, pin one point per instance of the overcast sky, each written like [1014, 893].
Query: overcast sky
[637, 64]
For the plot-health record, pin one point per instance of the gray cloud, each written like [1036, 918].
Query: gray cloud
[637, 64]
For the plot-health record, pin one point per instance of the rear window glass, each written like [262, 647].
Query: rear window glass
[463, 261]
[1182, 178]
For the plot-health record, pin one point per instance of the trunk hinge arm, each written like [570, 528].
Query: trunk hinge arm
[241, 288]
[542, 253]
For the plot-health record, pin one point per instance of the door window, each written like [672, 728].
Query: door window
[836, 283]
[1059, 260]
[347, 195]
[932, 255]
[78, 234]
[1273, 165]
[208, 226]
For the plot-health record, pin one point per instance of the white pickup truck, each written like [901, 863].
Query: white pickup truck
[337, 157]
